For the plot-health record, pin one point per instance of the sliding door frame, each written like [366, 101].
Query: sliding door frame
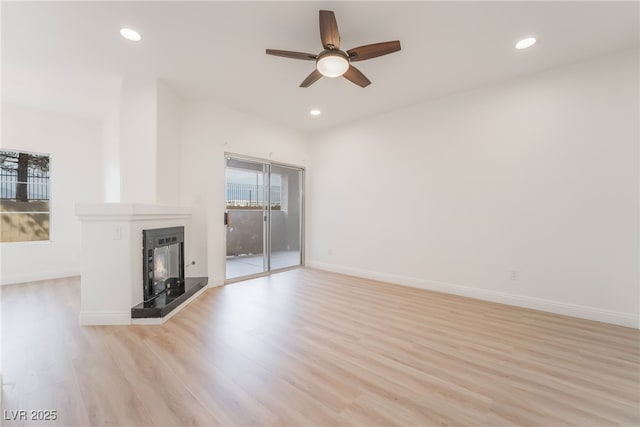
[268, 213]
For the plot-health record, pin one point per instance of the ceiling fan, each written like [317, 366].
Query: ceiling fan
[333, 62]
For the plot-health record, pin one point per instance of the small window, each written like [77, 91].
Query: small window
[24, 196]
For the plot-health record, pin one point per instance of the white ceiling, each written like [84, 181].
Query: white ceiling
[69, 56]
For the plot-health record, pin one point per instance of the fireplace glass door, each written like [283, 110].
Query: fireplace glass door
[162, 261]
[166, 264]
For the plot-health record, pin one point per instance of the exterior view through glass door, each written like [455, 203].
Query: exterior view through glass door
[286, 217]
[263, 217]
[245, 217]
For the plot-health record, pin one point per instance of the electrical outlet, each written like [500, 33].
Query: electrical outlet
[117, 233]
[514, 275]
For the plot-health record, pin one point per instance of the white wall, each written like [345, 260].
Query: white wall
[74, 146]
[138, 140]
[168, 165]
[141, 144]
[538, 175]
[208, 131]
[110, 153]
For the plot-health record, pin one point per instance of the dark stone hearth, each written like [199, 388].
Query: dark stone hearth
[169, 300]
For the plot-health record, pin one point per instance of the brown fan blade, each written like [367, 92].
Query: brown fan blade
[354, 75]
[329, 33]
[369, 51]
[311, 79]
[293, 55]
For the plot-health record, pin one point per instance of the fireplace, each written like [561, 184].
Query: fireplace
[163, 262]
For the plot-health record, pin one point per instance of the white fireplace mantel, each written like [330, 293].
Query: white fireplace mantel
[111, 266]
[129, 211]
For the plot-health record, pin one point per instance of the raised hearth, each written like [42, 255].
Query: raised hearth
[169, 300]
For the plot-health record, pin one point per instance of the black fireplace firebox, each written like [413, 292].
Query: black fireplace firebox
[163, 262]
[165, 287]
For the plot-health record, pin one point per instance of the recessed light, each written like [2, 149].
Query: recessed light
[130, 34]
[525, 43]
[315, 112]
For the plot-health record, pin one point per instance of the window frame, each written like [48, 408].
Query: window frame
[49, 200]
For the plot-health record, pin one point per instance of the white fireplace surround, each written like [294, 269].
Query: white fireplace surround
[111, 264]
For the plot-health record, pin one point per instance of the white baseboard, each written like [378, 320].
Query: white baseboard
[92, 318]
[36, 276]
[148, 321]
[583, 312]
[215, 283]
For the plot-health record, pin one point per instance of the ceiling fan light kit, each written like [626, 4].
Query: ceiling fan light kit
[333, 62]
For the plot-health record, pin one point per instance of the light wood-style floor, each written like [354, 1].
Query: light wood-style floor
[306, 347]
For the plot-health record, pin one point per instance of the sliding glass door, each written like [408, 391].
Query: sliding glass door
[286, 217]
[263, 217]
